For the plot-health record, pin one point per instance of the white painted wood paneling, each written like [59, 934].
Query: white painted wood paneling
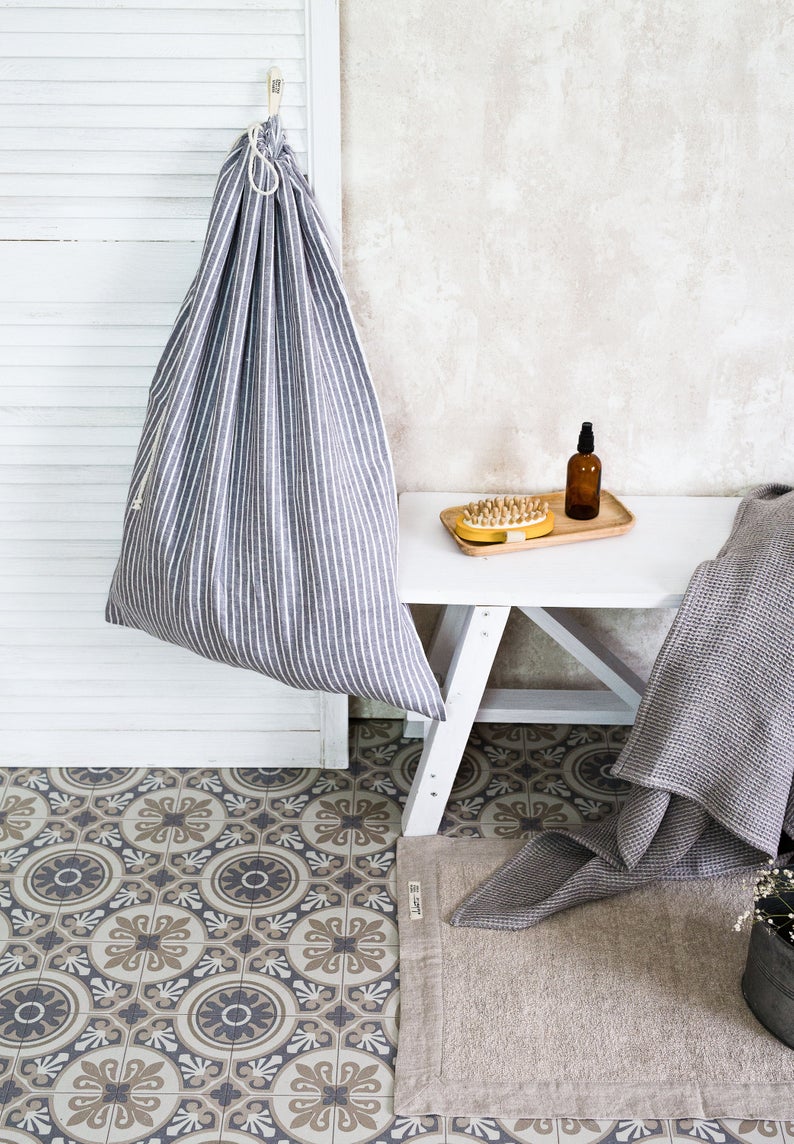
[115, 116]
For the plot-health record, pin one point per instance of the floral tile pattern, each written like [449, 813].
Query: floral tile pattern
[213, 956]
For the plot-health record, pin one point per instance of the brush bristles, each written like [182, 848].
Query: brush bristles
[505, 512]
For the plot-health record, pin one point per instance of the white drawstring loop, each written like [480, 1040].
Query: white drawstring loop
[253, 131]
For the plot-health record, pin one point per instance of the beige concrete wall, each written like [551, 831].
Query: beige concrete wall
[566, 210]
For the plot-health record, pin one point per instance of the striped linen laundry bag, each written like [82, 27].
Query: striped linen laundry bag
[261, 527]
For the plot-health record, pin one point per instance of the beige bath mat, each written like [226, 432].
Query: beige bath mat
[626, 1008]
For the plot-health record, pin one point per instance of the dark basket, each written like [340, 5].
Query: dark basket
[768, 981]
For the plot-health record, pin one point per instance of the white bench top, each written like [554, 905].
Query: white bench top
[648, 567]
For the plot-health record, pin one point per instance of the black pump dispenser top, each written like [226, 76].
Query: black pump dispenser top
[586, 439]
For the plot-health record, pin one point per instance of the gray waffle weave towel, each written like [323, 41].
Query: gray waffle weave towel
[711, 754]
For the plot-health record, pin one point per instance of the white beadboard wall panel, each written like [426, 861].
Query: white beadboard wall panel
[114, 119]
[130, 92]
[117, 117]
[49, 70]
[86, 44]
[286, 22]
[97, 273]
[66, 394]
[190, 5]
[172, 748]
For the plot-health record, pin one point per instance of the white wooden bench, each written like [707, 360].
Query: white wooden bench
[648, 567]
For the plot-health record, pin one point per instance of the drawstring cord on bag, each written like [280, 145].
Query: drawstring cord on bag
[137, 503]
[253, 130]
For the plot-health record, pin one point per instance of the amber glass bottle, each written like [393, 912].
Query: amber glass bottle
[583, 483]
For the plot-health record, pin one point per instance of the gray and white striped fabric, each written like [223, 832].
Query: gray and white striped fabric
[711, 752]
[261, 524]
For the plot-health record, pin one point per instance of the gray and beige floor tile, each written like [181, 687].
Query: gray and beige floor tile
[212, 957]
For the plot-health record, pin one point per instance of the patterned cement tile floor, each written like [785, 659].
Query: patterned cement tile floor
[212, 956]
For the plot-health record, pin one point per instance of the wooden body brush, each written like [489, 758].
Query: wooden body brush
[504, 519]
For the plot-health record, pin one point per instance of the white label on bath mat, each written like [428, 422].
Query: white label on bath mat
[414, 900]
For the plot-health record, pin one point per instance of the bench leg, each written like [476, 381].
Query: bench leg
[480, 632]
[589, 650]
[439, 656]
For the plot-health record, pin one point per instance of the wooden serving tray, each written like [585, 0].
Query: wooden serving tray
[613, 519]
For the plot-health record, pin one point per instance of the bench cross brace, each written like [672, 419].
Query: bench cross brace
[461, 654]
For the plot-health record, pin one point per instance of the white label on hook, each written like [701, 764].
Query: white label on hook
[275, 90]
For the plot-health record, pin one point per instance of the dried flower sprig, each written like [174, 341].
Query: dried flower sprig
[773, 901]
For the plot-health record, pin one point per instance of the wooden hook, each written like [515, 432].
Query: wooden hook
[275, 90]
